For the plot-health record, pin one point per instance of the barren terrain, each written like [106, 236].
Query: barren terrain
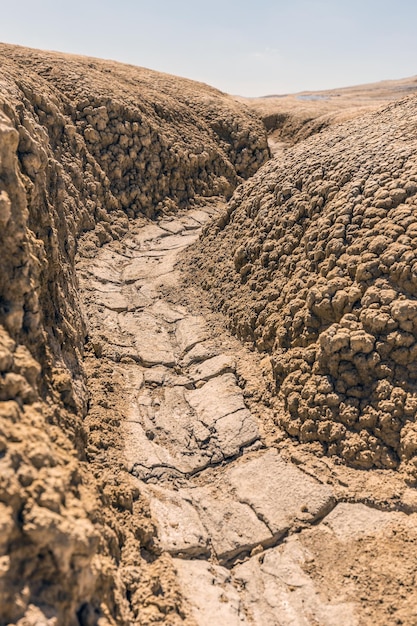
[207, 377]
[86, 146]
[290, 118]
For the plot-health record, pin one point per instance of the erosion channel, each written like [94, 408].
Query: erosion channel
[156, 468]
[235, 516]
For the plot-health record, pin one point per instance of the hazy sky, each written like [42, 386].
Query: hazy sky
[251, 48]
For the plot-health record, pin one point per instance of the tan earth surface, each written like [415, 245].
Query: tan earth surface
[289, 118]
[154, 468]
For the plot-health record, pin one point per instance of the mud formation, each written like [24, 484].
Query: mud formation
[145, 476]
[314, 262]
[249, 530]
[86, 145]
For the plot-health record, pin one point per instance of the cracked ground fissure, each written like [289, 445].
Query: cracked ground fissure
[227, 506]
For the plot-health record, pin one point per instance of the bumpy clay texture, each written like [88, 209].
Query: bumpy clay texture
[84, 146]
[314, 261]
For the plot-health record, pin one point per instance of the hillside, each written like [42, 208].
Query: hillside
[85, 146]
[313, 262]
[291, 118]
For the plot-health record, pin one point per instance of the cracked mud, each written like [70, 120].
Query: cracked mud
[153, 468]
[237, 517]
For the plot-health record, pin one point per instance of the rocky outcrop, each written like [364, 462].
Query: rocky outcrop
[84, 146]
[314, 263]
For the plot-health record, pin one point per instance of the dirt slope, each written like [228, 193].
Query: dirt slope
[252, 523]
[84, 146]
[292, 117]
[151, 469]
[314, 263]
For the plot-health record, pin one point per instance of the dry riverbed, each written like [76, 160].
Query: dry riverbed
[255, 529]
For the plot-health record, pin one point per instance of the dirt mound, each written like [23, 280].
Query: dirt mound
[85, 145]
[314, 262]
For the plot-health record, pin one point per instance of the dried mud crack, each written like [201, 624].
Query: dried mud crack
[247, 531]
[155, 469]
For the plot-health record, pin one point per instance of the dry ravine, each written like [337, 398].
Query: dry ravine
[86, 146]
[154, 468]
[243, 526]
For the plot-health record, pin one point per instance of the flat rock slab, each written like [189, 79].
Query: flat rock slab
[147, 234]
[146, 459]
[151, 339]
[235, 431]
[220, 407]
[251, 503]
[149, 266]
[180, 531]
[167, 417]
[199, 521]
[106, 325]
[172, 432]
[146, 291]
[113, 301]
[101, 287]
[173, 420]
[167, 282]
[276, 591]
[172, 226]
[199, 353]
[190, 224]
[279, 492]
[174, 242]
[201, 217]
[352, 521]
[168, 312]
[218, 397]
[156, 376]
[233, 527]
[212, 367]
[190, 331]
[212, 598]
[105, 272]
[108, 338]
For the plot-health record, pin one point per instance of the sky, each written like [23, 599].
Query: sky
[248, 48]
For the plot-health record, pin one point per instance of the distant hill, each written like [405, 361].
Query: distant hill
[292, 117]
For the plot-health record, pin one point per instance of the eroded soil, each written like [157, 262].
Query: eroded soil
[259, 530]
[153, 468]
[85, 146]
